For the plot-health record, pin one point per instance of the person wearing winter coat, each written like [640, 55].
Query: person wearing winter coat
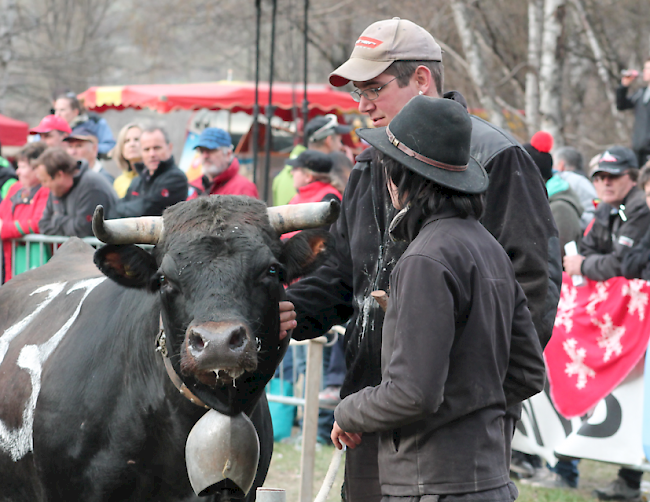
[459, 345]
[620, 221]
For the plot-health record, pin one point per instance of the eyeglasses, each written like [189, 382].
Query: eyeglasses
[370, 94]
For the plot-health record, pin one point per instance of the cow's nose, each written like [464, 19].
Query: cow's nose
[220, 341]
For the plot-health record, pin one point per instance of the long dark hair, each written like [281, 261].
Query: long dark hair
[426, 194]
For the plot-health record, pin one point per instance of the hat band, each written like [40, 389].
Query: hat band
[402, 147]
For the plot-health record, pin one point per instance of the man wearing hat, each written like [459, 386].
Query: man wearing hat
[220, 167]
[53, 130]
[393, 61]
[620, 221]
[324, 133]
[459, 344]
[82, 145]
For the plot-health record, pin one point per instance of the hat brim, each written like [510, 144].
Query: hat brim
[357, 70]
[616, 170]
[73, 137]
[473, 180]
[293, 162]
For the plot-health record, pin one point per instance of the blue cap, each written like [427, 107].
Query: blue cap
[213, 138]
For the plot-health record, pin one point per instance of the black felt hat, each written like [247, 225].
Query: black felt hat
[432, 136]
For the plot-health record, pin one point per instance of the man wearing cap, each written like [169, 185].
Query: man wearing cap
[53, 130]
[82, 144]
[220, 167]
[159, 184]
[392, 62]
[620, 221]
[75, 191]
[324, 133]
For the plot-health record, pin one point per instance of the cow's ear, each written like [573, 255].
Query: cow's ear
[128, 265]
[305, 252]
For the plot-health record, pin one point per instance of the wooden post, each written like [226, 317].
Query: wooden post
[310, 419]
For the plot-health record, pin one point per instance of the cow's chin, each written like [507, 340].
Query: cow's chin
[219, 377]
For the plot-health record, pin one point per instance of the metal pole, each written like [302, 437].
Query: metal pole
[256, 107]
[269, 107]
[305, 102]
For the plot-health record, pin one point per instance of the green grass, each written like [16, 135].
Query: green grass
[285, 473]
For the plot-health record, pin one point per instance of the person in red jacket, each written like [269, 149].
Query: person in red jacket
[220, 167]
[21, 210]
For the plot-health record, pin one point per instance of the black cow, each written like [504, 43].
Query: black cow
[87, 409]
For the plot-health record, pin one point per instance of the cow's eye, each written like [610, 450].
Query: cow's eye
[162, 280]
[273, 271]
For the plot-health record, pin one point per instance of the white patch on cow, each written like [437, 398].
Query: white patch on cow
[32, 358]
[13, 331]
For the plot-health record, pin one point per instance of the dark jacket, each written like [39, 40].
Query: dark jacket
[150, 195]
[453, 357]
[636, 263]
[566, 210]
[72, 214]
[517, 214]
[641, 134]
[610, 238]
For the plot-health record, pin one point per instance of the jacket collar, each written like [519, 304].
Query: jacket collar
[24, 196]
[634, 201]
[224, 177]
[312, 189]
[165, 165]
[408, 223]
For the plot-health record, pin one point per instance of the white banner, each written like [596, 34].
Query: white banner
[612, 433]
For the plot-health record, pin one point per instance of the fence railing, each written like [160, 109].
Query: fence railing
[313, 373]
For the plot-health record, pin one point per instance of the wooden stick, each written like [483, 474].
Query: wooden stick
[381, 298]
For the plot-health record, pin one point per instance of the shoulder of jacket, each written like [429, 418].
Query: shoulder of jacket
[489, 140]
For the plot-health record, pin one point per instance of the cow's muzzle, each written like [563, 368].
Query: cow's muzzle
[216, 353]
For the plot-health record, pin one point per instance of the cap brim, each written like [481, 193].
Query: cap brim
[341, 129]
[615, 170]
[79, 138]
[473, 180]
[293, 162]
[357, 70]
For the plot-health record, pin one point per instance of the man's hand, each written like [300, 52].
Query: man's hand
[349, 439]
[628, 77]
[287, 318]
[573, 263]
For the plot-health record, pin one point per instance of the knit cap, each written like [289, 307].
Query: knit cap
[539, 147]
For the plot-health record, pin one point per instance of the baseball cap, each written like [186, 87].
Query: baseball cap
[323, 126]
[382, 43]
[82, 133]
[213, 138]
[51, 123]
[616, 161]
[313, 160]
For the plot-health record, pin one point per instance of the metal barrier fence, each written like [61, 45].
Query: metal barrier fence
[313, 373]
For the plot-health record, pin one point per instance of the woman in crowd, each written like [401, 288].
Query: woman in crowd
[21, 211]
[125, 154]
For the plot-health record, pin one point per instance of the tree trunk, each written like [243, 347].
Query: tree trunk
[477, 70]
[550, 74]
[599, 57]
[535, 25]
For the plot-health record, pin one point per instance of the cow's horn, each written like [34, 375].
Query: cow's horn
[302, 216]
[142, 230]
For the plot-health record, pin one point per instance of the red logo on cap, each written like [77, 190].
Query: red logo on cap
[164, 192]
[608, 157]
[368, 43]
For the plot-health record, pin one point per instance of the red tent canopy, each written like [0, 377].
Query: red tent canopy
[223, 95]
[13, 132]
